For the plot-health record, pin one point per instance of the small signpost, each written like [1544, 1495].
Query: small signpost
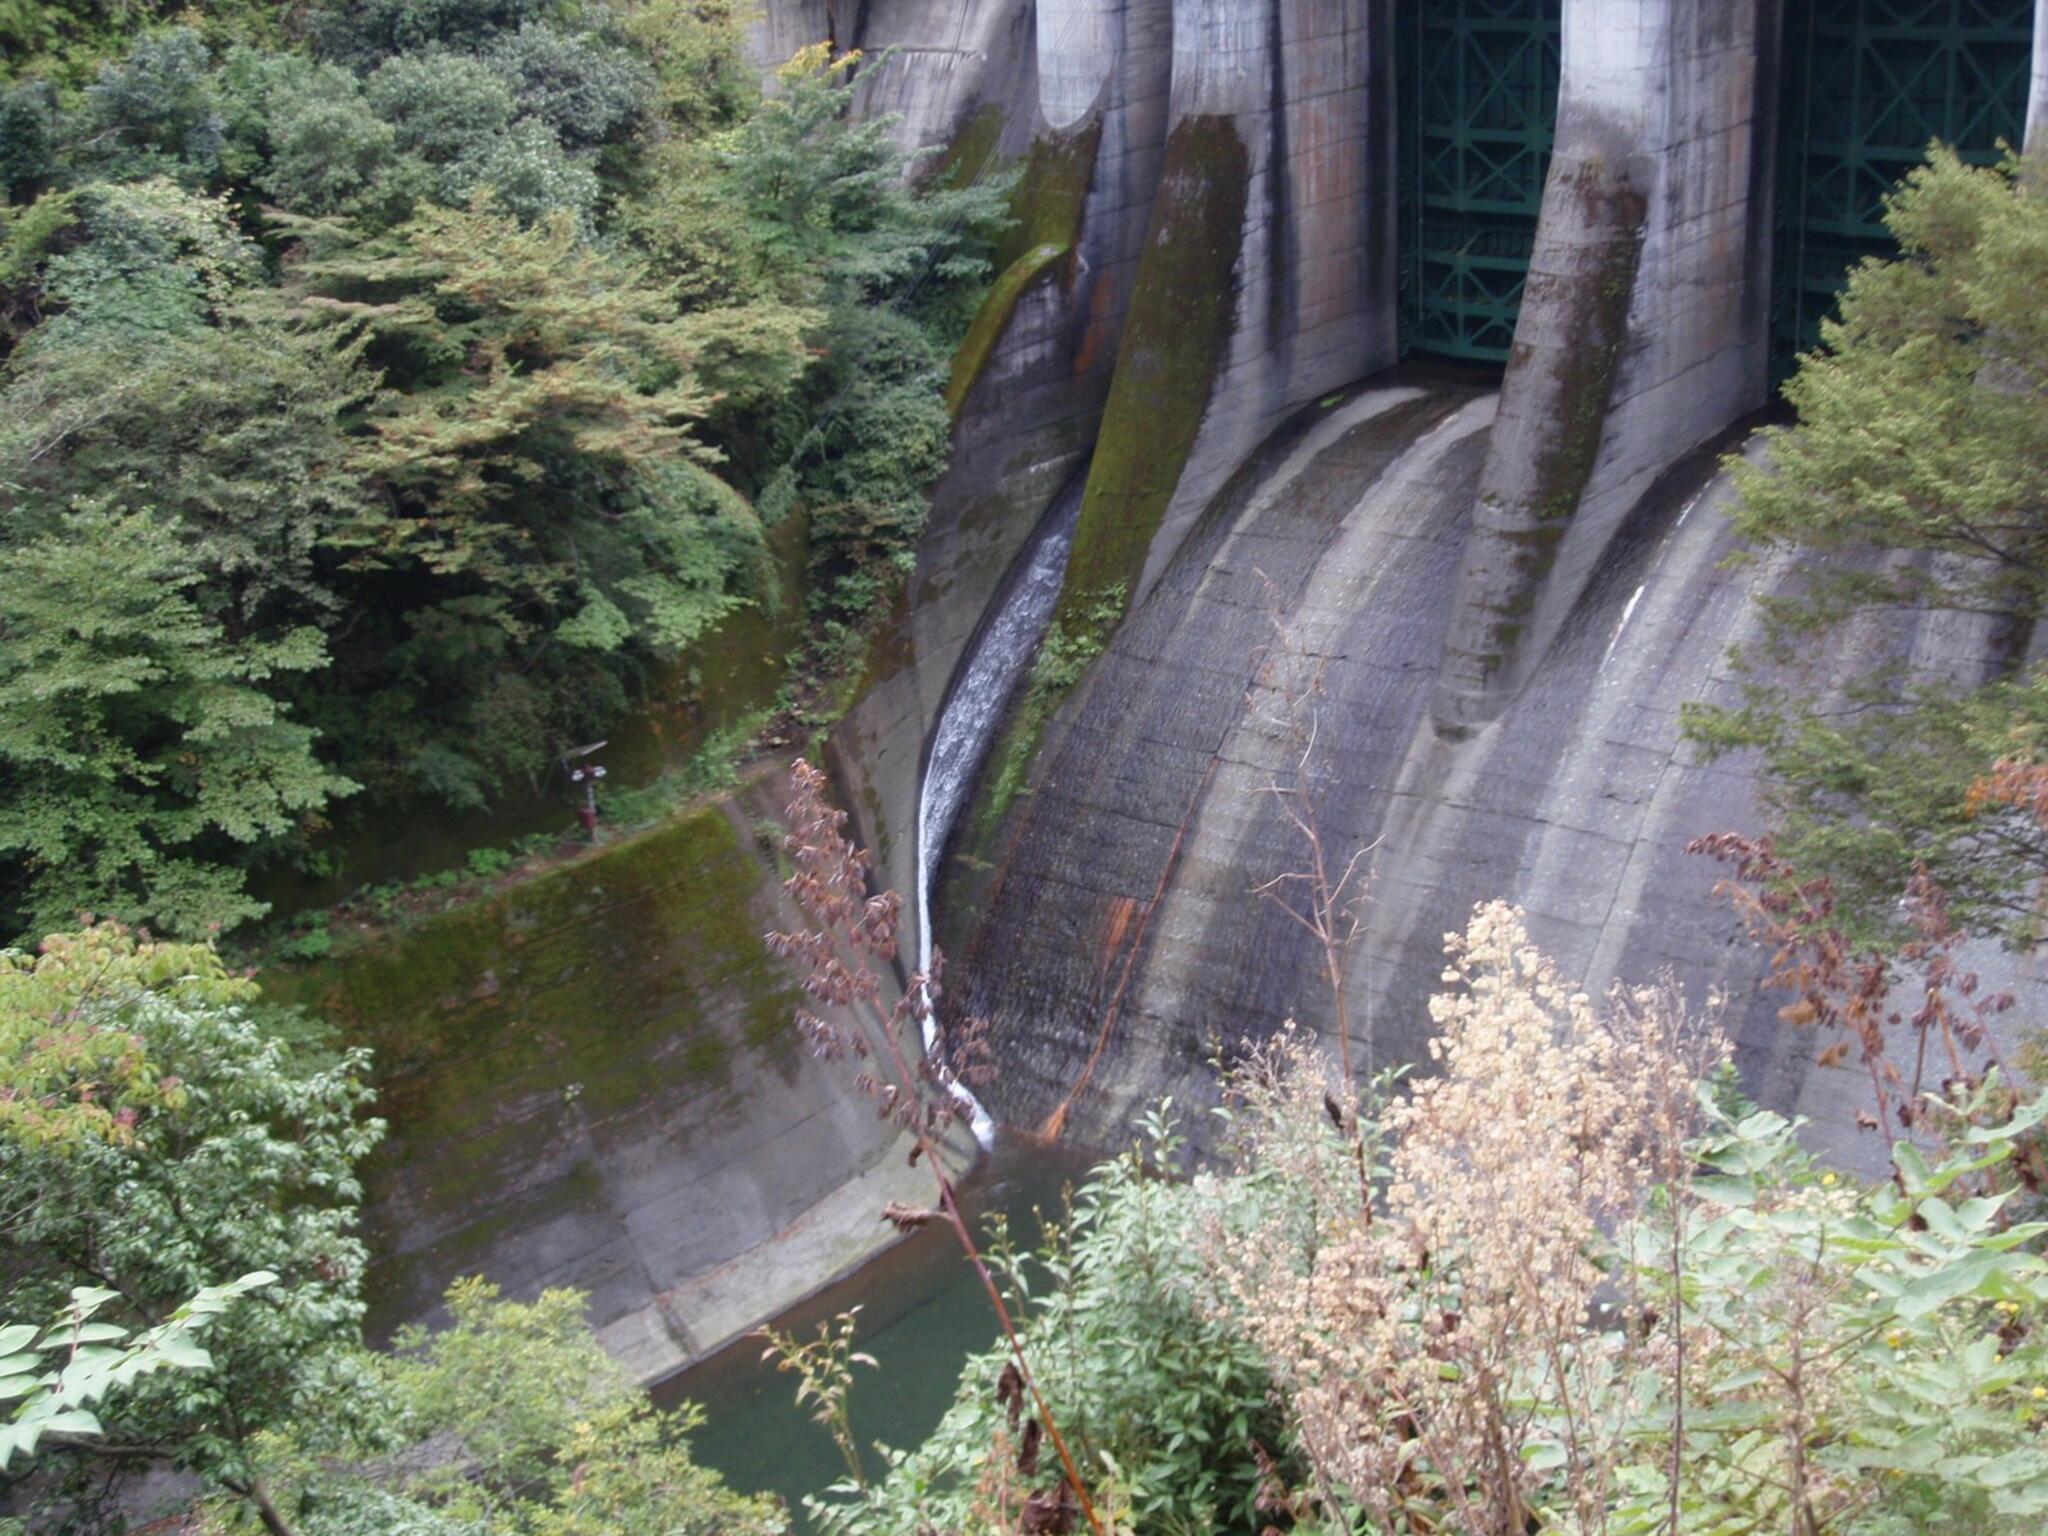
[583, 774]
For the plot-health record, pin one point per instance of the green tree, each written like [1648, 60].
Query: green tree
[74, 1070]
[238, 432]
[326, 150]
[698, 51]
[360, 32]
[157, 111]
[139, 749]
[586, 89]
[831, 217]
[512, 1419]
[1916, 478]
[245, 1162]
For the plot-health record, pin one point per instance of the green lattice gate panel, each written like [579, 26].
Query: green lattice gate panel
[1478, 112]
[1868, 83]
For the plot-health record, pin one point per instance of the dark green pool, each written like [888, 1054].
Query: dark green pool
[922, 1313]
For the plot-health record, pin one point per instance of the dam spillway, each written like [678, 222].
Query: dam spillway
[1630, 209]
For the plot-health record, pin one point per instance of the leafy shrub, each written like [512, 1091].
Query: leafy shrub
[587, 91]
[1135, 1357]
[446, 108]
[1517, 1300]
[512, 1418]
[157, 109]
[154, 258]
[313, 940]
[484, 863]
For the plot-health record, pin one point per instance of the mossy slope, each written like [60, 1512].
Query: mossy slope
[524, 1042]
[993, 319]
[1173, 345]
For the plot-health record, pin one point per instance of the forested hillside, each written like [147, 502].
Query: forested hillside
[391, 392]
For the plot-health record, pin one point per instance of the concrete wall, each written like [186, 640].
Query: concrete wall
[1083, 122]
[2037, 95]
[1643, 329]
[594, 1079]
[1309, 87]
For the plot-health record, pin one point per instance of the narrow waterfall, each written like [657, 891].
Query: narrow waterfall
[974, 709]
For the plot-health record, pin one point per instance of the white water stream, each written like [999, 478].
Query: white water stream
[973, 710]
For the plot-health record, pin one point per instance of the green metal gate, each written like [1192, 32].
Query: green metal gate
[1478, 113]
[1867, 84]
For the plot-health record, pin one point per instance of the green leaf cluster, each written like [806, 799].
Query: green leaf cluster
[1872, 1358]
[1914, 480]
[509, 1421]
[51, 1398]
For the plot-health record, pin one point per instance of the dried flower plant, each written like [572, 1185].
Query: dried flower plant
[853, 935]
[1423, 1351]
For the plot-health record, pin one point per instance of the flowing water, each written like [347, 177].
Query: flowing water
[922, 1308]
[968, 723]
[975, 706]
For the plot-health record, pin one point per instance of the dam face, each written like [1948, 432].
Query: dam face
[1596, 231]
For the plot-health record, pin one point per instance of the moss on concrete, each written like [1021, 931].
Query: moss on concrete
[1046, 209]
[971, 154]
[1577, 384]
[520, 1038]
[1051, 194]
[591, 983]
[993, 319]
[1173, 344]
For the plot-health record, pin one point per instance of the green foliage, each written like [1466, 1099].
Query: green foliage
[74, 1071]
[123, 260]
[234, 433]
[824, 1372]
[445, 348]
[156, 111]
[698, 51]
[363, 31]
[98, 1358]
[445, 108]
[1134, 1357]
[137, 743]
[828, 205]
[328, 151]
[249, 1164]
[1876, 1363]
[28, 135]
[586, 90]
[1568, 1283]
[510, 1420]
[1913, 480]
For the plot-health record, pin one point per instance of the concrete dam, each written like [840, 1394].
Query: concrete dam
[1393, 346]
[1413, 333]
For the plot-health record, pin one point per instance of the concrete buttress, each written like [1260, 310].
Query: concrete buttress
[1643, 325]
